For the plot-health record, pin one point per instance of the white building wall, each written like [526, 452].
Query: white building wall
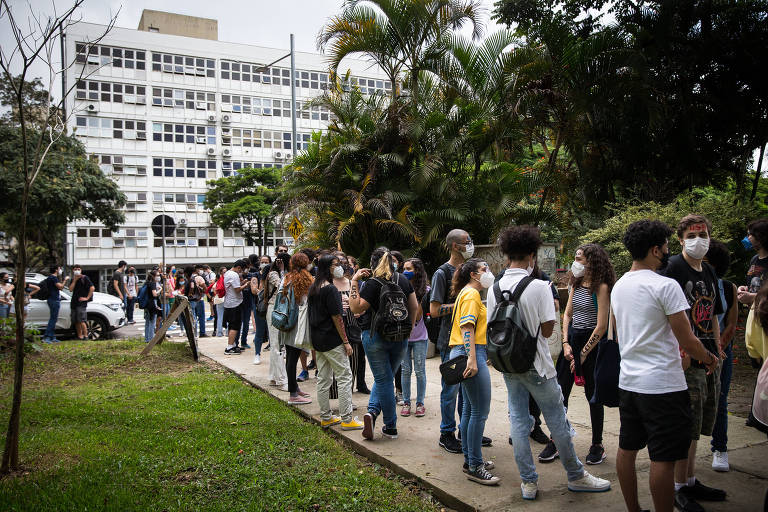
[152, 130]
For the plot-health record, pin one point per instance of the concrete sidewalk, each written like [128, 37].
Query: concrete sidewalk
[416, 453]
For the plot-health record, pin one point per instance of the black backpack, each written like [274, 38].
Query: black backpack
[391, 320]
[511, 347]
[43, 293]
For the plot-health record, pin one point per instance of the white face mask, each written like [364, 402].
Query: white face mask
[263, 266]
[468, 251]
[77, 272]
[697, 247]
[486, 279]
[157, 279]
[529, 268]
[577, 269]
[338, 272]
[309, 267]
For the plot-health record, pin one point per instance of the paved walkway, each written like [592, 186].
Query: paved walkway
[416, 454]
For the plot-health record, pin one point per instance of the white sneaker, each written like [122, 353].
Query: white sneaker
[720, 461]
[284, 387]
[257, 359]
[530, 490]
[589, 483]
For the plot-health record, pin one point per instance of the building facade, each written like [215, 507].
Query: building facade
[163, 113]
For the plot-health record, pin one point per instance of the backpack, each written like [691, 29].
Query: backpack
[220, 289]
[391, 320]
[510, 347]
[286, 312]
[110, 288]
[43, 293]
[143, 296]
[432, 324]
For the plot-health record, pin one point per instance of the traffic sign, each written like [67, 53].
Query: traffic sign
[295, 228]
[163, 222]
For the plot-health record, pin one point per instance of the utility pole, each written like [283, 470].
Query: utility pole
[293, 99]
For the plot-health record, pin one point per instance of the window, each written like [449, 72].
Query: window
[102, 55]
[183, 65]
[182, 98]
[130, 237]
[207, 237]
[247, 72]
[230, 168]
[183, 168]
[93, 90]
[111, 128]
[119, 164]
[249, 138]
[183, 133]
[314, 112]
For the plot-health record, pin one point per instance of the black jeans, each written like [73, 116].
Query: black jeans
[291, 359]
[357, 364]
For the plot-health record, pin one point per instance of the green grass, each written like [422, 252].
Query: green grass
[103, 429]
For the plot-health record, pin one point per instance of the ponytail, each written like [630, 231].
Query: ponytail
[381, 263]
[463, 275]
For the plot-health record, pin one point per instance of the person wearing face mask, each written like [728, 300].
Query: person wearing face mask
[416, 351]
[398, 265]
[757, 274]
[82, 291]
[131, 283]
[260, 323]
[699, 283]
[153, 309]
[54, 302]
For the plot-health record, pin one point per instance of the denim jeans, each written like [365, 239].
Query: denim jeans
[477, 404]
[219, 319]
[547, 394]
[383, 357]
[448, 400]
[418, 351]
[149, 325]
[246, 307]
[50, 331]
[260, 333]
[198, 310]
[720, 431]
[130, 305]
[5, 310]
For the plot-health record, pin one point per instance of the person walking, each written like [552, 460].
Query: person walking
[82, 292]
[652, 329]
[54, 302]
[277, 376]
[131, 290]
[233, 298]
[469, 320]
[332, 348]
[416, 351]
[520, 244]
[384, 357]
[298, 281]
[585, 324]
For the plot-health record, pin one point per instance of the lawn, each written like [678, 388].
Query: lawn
[103, 429]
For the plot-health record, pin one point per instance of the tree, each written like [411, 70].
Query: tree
[244, 201]
[35, 43]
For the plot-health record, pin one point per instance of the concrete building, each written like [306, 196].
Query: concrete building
[162, 111]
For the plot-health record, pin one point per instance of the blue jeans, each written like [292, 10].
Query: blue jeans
[245, 311]
[50, 331]
[5, 310]
[130, 305]
[477, 405]
[418, 351]
[448, 400]
[547, 394]
[149, 325]
[720, 431]
[261, 329]
[219, 319]
[198, 310]
[383, 357]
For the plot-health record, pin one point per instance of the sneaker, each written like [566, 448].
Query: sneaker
[703, 492]
[369, 420]
[482, 476]
[538, 435]
[389, 432]
[302, 393]
[720, 461]
[311, 365]
[244, 346]
[399, 396]
[284, 387]
[589, 483]
[203, 336]
[173, 328]
[420, 411]
[488, 465]
[406, 410]
[685, 503]
[304, 375]
[596, 454]
[209, 319]
[46, 341]
[353, 424]
[530, 490]
[335, 420]
[233, 350]
[55, 340]
[485, 442]
[449, 443]
[549, 453]
[299, 400]
[257, 359]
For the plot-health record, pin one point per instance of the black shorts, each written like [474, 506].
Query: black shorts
[233, 318]
[79, 313]
[662, 422]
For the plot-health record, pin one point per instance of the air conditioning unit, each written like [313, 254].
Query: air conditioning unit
[211, 151]
[278, 155]
[182, 222]
[226, 118]
[211, 118]
[226, 153]
[92, 108]
[288, 156]
[226, 132]
[200, 139]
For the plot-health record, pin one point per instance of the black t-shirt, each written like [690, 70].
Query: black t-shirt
[441, 288]
[370, 293]
[117, 276]
[81, 289]
[757, 273]
[53, 291]
[250, 273]
[703, 295]
[322, 306]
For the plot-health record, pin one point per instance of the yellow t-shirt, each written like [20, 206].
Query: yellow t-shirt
[469, 310]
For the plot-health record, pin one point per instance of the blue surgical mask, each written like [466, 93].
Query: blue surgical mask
[746, 243]
[394, 265]
[408, 274]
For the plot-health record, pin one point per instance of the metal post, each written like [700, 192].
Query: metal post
[64, 120]
[293, 99]
[162, 271]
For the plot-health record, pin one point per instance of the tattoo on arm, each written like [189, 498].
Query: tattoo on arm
[353, 292]
[445, 309]
[466, 341]
[590, 344]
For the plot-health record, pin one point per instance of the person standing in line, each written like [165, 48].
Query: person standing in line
[250, 274]
[399, 262]
[233, 298]
[219, 304]
[117, 283]
[259, 323]
[153, 309]
[131, 290]
[195, 292]
[297, 280]
[6, 295]
[384, 357]
[757, 239]
[277, 376]
[699, 284]
[82, 291]
[54, 302]
[416, 350]
[210, 276]
[341, 280]
[651, 319]
[468, 337]
[585, 324]
[520, 244]
[332, 348]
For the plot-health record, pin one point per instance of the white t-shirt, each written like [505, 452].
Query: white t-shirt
[650, 358]
[537, 307]
[233, 298]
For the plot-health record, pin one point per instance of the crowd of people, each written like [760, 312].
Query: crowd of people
[672, 317]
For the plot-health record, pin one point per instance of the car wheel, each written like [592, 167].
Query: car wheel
[97, 328]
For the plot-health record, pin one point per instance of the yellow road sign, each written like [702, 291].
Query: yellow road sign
[295, 228]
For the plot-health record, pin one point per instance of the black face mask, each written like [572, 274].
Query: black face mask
[664, 260]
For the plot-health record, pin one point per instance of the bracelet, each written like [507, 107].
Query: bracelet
[566, 343]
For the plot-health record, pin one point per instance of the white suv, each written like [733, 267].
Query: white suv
[105, 312]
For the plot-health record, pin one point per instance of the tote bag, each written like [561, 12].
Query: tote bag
[302, 339]
[607, 366]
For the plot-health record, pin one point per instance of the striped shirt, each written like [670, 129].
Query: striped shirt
[584, 309]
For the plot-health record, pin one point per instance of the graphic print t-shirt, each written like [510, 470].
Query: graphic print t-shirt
[757, 273]
[703, 296]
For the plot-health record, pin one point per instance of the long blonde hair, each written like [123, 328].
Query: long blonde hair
[381, 263]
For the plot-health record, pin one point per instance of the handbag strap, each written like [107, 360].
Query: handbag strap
[611, 327]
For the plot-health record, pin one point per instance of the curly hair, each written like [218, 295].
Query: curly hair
[299, 277]
[463, 274]
[758, 228]
[643, 234]
[419, 280]
[599, 268]
[517, 242]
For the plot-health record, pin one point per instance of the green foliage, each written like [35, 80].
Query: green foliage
[729, 220]
[8, 336]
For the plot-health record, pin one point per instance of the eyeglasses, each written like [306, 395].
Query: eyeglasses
[282, 251]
